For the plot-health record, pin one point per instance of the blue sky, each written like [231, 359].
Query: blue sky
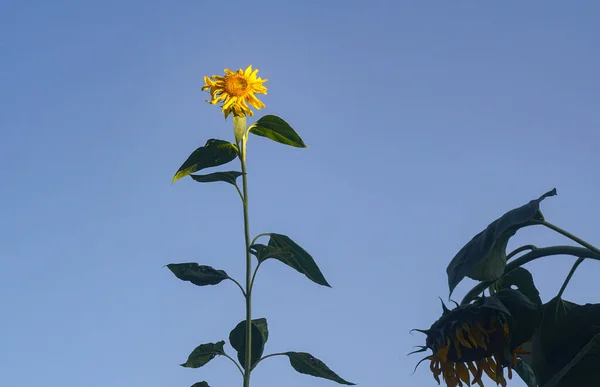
[424, 122]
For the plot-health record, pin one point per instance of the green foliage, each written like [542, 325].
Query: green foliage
[285, 250]
[228, 177]
[260, 335]
[566, 346]
[203, 354]
[526, 373]
[212, 154]
[522, 314]
[199, 275]
[307, 364]
[483, 258]
[523, 280]
[249, 337]
[277, 130]
[557, 343]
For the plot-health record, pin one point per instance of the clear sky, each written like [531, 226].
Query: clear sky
[424, 122]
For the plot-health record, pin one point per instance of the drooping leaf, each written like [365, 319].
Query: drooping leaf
[307, 364]
[213, 153]
[526, 373]
[199, 275]
[483, 258]
[200, 384]
[284, 249]
[566, 347]
[582, 370]
[228, 177]
[277, 130]
[522, 279]
[203, 354]
[260, 335]
[523, 315]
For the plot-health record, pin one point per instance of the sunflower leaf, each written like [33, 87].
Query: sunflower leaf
[276, 129]
[483, 258]
[522, 279]
[526, 373]
[523, 315]
[305, 363]
[203, 354]
[200, 384]
[566, 346]
[282, 248]
[589, 354]
[227, 177]
[212, 154]
[260, 335]
[199, 275]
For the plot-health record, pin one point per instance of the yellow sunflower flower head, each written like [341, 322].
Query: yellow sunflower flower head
[467, 342]
[236, 90]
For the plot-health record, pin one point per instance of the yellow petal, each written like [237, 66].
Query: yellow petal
[442, 353]
[457, 349]
[435, 370]
[230, 101]
[478, 375]
[479, 338]
[488, 371]
[463, 373]
[459, 336]
[466, 328]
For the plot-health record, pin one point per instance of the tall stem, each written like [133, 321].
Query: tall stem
[248, 360]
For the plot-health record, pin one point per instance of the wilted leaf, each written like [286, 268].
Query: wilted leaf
[522, 279]
[260, 335]
[526, 373]
[277, 130]
[203, 354]
[228, 177]
[582, 370]
[522, 315]
[289, 252]
[566, 348]
[197, 274]
[213, 153]
[484, 257]
[307, 364]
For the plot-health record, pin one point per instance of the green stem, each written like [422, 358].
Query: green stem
[531, 256]
[248, 354]
[239, 286]
[564, 285]
[234, 362]
[520, 249]
[240, 193]
[258, 236]
[268, 356]
[569, 235]
[253, 276]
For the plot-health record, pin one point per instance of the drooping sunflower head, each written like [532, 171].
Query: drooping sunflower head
[236, 90]
[468, 341]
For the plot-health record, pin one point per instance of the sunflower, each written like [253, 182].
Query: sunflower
[471, 340]
[236, 90]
